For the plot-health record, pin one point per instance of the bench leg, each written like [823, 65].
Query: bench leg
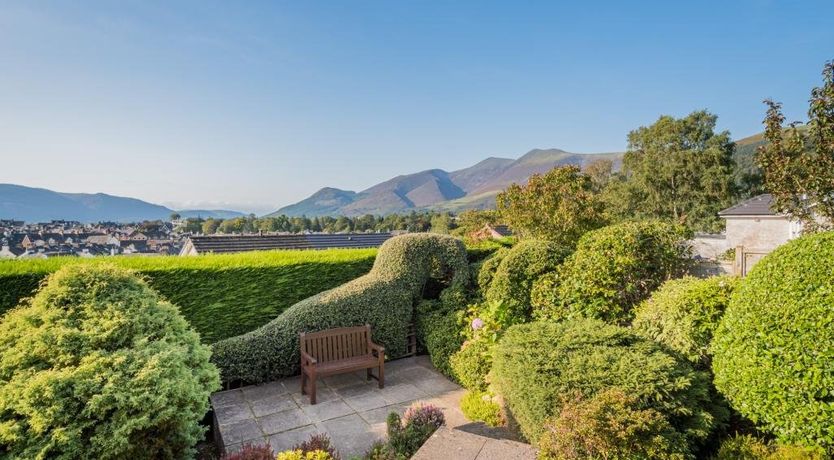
[381, 375]
[303, 383]
[370, 374]
[313, 389]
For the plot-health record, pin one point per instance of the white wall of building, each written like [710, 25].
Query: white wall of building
[764, 232]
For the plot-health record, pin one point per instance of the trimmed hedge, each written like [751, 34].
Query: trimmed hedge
[439, 332]
[537, 365]
[615, 268]
[684, 313]
[773, 352]
[97, 366]
[220, 295]
[472, 363]
[384, 298]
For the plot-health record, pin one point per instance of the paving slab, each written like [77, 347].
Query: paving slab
[453, 444]
[284, 421]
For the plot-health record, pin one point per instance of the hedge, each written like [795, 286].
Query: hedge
[536, 366]
[384, 298]
[773, 352]
[98, 366]
[220, 295]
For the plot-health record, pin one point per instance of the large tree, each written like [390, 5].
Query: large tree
[679, 169]
[559, 206]
[798, 164]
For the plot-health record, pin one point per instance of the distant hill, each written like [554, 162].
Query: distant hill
[209, 213]
[41, 205]
[474, 187]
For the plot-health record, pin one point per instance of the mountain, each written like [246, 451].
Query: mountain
[41, 205]
[209, 213]
[474, 187]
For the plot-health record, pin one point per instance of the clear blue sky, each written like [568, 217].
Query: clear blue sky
[255, 105]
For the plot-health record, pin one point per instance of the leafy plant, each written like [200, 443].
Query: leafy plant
[471, 364]
[301, 455]
[318, 442]
[252, 452]
[406, 435]
[746, 447]
[481, 406]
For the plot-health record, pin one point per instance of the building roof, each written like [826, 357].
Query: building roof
[756, 206]
[243, 243]
[502, 230]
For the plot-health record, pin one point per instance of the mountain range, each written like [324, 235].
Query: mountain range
[474, 187]
[41, 205]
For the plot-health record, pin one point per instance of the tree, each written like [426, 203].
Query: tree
[798, 164]
[210, 226]
[559, 206]
[441, 223]
[175, 216]
[600, 171]
[679, 169]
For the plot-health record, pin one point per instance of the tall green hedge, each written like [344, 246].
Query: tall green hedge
[220, 295]
[384, 298]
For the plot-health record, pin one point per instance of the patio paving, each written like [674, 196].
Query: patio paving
[350, 409]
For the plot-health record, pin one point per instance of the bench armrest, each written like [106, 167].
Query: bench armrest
[380, 350]
[306, 357]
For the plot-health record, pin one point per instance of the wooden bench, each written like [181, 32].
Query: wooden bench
[338, 351]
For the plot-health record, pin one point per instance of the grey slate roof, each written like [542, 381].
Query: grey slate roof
[243, 243]
[756, 206]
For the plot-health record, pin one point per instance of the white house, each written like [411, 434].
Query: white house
[753, 224]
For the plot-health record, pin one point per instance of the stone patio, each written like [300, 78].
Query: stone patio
[350, 409]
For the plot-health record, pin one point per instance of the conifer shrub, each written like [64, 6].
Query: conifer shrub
[97, 366]
[481, 406]
[684, 313]
[536, 365]
[614, 268]
[384, 298]
[471, 364]
[773, 351]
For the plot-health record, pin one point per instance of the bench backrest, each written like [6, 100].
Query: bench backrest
[337, 344]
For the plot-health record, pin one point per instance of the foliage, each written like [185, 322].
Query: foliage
[683, 314]
[472, 220]
[798, 165]
[746, 447]
[220, 295]
[380, 450]
[615, 268]
[559, 206]
[678, 169]
[471, 364]
[252, 452]
[489, 267]
[439, 333]
[481, 406]
[773, 352]
[384, 298]
[318, 442]
[301, 455]
[97, 366]
[536, 364]
[406, 435]
[610, 425]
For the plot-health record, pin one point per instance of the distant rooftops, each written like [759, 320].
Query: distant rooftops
[243, 243]
[756, 206]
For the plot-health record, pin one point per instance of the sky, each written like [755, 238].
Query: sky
[255, 105]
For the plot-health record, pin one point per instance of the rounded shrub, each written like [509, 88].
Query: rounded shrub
[615, 268]
[384, 298]
[439, 333]
[684, 313]
[610, 425]
[97, 366]
[773, 352]
[536, 365]
[472, 363]
[488, 268]
[482, 407]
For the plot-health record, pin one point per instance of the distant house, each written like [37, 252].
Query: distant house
[242, 243]
[753, 224]
[491, 232]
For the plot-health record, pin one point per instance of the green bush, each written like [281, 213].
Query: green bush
[384, 298]
[615, 268]
[488, 268]
[513, 280]
[471, 364]
[683, 314]
[220, 295]
[481, 406]
[746, 447]
[773, 352]
[610, 425]
[97, 366]
[536, 365]
[439, 333]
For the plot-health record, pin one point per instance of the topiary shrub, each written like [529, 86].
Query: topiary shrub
[773, 352]
[383, 298]
[684, 313]
[482, 407]
[610, 425]
[519, 268]
[488, 268]
[439, 333]
[97, 366]
[536, 365]
[615, 268]
[471, 364]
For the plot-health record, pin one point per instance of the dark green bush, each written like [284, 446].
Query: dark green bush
[97, 366]
[520, 266]
[384, 298]
[221, 296]
[615, 268]
[471, 364]
[610, 425]
[683, 314]
[482, 407]
[439, 333]
[536, 365]
[488, 268]
[773, 352]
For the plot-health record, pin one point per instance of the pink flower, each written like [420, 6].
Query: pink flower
[477, 323]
